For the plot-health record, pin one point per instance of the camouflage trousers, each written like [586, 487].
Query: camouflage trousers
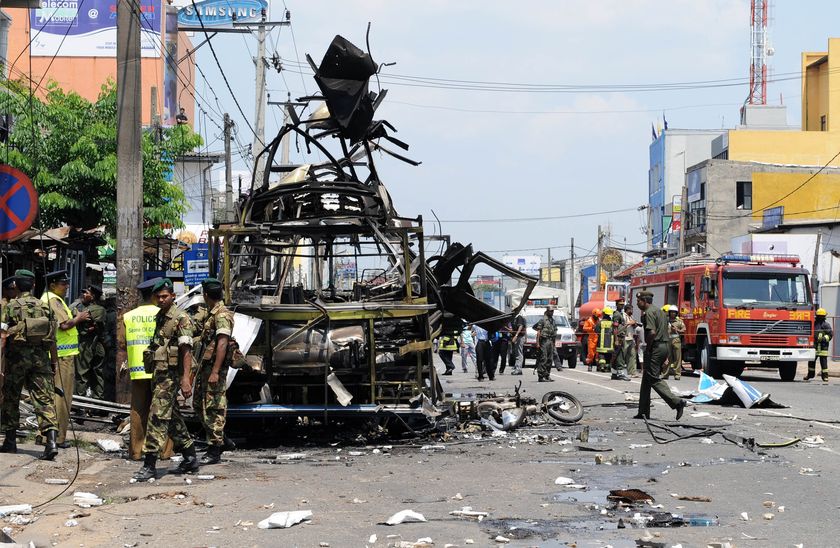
[89, 363]
[165, 417]
[210, 403]
[30, 370]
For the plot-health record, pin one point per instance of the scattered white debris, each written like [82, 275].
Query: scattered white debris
[701, 414]
[433, 448]
[356, 453]
[290, 456]
[468, 512]
[405, 516]
[458, 496]
[640, 445]
[358, 501]
[469, 541]
[707, 441]
[109, 446]
[188, 481]
[205, 477]
[372, 539]
[15, 509]
[812, 441]
[501, 540]
[324, 544]
[768, 516]
[562, 480]
[780, 509]
[282, 520]
[376, 451]
[768, 504]
[86, 500]
[71, 523]
[745, 516]
[56, 481]
[808, 472]
[18, 519]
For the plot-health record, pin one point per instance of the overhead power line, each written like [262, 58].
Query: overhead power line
[532, 219]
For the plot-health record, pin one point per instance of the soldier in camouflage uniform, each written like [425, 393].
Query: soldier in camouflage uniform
[170, 355]
[210, 401]
[546, 333]
[31, 364]
[91, 357]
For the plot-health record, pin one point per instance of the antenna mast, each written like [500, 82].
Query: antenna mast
[758, 52]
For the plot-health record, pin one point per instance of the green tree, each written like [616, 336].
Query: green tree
[68, 146]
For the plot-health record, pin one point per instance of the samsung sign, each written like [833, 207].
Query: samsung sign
[218, 13]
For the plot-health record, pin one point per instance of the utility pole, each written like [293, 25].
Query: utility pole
[129, 177]
[815, 275]
[598, 260]
[228, 125]
[572, 298]
[549, 267]
[259, 109]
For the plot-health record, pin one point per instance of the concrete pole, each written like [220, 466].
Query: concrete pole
[598, 262]
[259, 110]
[229, 216]
[129, 177]
[572, 298]
[549, 267]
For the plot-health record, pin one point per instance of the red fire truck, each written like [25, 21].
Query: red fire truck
[739, 310]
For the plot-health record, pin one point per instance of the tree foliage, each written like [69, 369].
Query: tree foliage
[68, 146]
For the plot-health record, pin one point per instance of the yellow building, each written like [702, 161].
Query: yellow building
[816, 144]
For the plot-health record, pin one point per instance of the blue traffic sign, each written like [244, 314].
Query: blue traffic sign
[196, 264]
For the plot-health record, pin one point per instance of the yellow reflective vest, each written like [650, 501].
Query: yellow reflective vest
[605, 336]
[66, 340]
[139, 329]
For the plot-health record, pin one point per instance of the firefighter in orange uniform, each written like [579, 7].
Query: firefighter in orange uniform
[591, 337]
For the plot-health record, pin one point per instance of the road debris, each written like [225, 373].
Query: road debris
[56, 481]
[630, 496]
[290, 456]
[768, 516]
[109, 446]
[501, 540]
[691, 498]
[86, 500]
[813, 441]
[468, 512]
[13, 509]
[405, 516]
[745, 516]
[283, 520]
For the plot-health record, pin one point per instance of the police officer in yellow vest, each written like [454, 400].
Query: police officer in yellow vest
[67, 343]
[822, 337]
[139, 328]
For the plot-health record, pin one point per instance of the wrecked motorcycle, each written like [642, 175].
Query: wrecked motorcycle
[510, 412]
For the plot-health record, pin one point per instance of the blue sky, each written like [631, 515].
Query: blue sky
[502, 155]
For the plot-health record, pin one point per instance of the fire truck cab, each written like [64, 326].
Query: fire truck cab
[739, 310]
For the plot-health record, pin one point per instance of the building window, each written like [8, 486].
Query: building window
[822, 122]
[743, 195]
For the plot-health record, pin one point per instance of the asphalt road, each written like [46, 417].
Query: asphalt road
[351, 488]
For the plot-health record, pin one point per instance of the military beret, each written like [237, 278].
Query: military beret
[644, 294]
[95, 290]
[163, 283]
[7, 283]
[211, 283]
[22, 273]
[57, 276]
[148, 284]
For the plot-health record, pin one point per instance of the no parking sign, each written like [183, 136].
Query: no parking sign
[18, 202]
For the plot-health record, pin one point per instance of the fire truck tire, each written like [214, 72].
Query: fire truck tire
[787, 371]
[572, 360]
[710, 365]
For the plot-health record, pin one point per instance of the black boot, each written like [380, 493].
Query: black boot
[212, 456]
[227, 444]
[148, 471]
[50, 448]
[10, 443]
[190, 464]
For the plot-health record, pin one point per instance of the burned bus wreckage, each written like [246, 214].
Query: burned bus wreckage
[342, 301]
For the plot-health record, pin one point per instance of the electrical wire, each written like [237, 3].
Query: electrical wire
[530, 219]
[221, 70]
